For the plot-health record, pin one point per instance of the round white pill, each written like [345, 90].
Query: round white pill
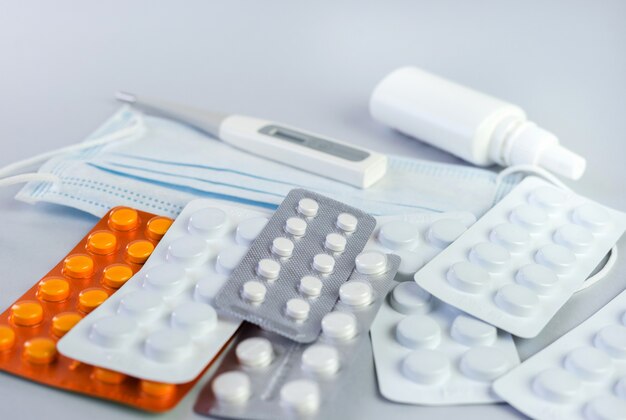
[418, 331]
[530, 217]
[398, 234]
[308, 207]
[194, 317]
[557, 385]
[490, 256]
[517, 300]
[356, 293]
[426, 366]
[142, 305]
[445, 231]
[253, 291]
[557, 258]
[229, 259]
[612, 339]
[335, 242]
[347, 222]
[209, 222]
[575, 237]
[254, 352]
[472, 332]
[468, 277]
[249, 229]
[324, 263]
[512, 237]
[311, 286]
[297, 309]
[408, 298]
[321, 359]
[538, 278]
[268, 269]
[169, 279]
[549, 198]
[168, 345]
[189, 251]
[484, 363]
[371, 262]
[339, 325]
[113, 331]
[295, 226]
[606, 407]
[301, 396]
[231, 387]
[589, 364]
[592, 217]
[620, 388]
[282, 247]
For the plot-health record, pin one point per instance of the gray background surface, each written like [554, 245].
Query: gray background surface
[311, 65]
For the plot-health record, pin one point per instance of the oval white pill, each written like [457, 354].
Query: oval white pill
[295, 226]
[490, 256]
[254, 352]
[253, 291]
[557, 385]
[371, 262]
[574, 237]
[189, 251]
[335, 242]
[472, 332]
[282, 247]
[142, 305]
[398, 235]
[606, 407]
[418, 331]
[268, 269]
[517, 300]
[512, 237]
[231, 387]
[557, 258]
[538, 278]
[301, 396]
[311, 286]
[229, 259]
[339, 325]
[532, 218]
[249, 229]
[308, 207]
[169, 279]
[324, 263]
[589, 364]
[195, 318]
[408, 298]
[347, 222]
[426, 366]
[549, 198]
[208, 222]
[168, 345]
[356, 293]
[321, 359]
[620, 388]
[113, 331]
[612, 339]
[484, 363]
[592, 217]
[298, 309]
[445, 231]
[468, 277]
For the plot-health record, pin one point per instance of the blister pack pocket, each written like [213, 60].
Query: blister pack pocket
[582, 375]
[266, 376]
[290, 278]
[517, 265]
[161, 325]
[429, 353]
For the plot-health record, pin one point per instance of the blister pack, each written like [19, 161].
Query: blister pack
[290, 277]
[427, 352]
[417, 237]
[266, 376]
[161, 325]
[582, 375]
[517, 265]
[104, 260]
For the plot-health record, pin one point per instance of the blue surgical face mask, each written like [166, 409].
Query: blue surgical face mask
[165, 164]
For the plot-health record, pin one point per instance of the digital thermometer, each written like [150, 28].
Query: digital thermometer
[310, 152]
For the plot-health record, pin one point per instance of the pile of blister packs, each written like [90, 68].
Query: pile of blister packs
[279, 308]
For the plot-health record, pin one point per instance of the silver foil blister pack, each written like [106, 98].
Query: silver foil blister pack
[266, 376]
[291, 275]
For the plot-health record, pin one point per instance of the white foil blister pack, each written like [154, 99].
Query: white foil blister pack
[290, 277]
[517, 265]
[162, 325]
[582, 375]
[429, 353]
[417, 237]
[266, 376]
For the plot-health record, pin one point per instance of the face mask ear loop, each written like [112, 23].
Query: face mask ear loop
[548, 176]
[28, 177]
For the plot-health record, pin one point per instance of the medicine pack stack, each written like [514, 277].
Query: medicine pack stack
[276, 310]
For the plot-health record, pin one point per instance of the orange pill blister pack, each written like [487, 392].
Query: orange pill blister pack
[99, 264]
